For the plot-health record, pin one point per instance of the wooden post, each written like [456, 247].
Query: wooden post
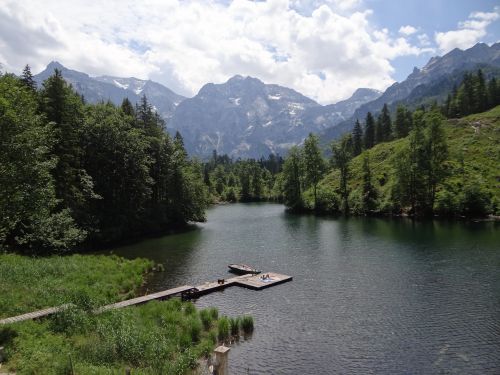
[1, 354]
[221, 360]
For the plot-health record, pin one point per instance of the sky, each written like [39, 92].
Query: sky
[323, 49]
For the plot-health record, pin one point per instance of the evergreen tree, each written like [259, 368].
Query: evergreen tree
[64, 109]
[292, 195]
[493, 93]
[480, 93]
[357, 139]
[342, 155]
[116, 157]
[369, 139]
[27, 78]
[410, 169]
[386, 124]
[379, 130]
[401, 127]
[436, 152]
[314, 164]
[31, 218]
[369, 199]
[127, 107]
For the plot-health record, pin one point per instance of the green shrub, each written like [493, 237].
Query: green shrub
[475, 201]
[446, 203]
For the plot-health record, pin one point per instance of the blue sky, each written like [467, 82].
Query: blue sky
[429, 17]
[325, 49]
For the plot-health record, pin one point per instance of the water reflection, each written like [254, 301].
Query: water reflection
[369, 295]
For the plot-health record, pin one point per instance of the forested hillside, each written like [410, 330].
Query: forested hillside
[442, 167]
[75, 173]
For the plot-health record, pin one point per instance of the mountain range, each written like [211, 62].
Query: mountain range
[433, 82]
[115, 89]
[245, 117]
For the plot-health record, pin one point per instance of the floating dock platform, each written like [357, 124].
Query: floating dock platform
[251, 281]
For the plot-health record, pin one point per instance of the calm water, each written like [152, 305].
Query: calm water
[369, 296]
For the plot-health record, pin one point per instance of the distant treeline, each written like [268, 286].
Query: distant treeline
[412, 174]
[241, 180]
[74, 173]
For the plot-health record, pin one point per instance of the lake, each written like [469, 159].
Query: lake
[371, 296]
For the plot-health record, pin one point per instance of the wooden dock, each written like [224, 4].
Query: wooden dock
[255, 282]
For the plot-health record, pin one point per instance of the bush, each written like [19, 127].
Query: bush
[327, 201]
[446, 203]
[475, 201]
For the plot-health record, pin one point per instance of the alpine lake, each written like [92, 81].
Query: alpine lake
[368, 296]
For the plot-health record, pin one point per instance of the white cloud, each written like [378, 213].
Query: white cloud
[326, 53]
[469, 32]
[424, 40]
[407, 30]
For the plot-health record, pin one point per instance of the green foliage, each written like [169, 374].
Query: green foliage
[474, 95]
[292, 180]
[223, 328]
[247, 324]
[30, 284]
[158, 337]
[342, 155]
[313, 164]
[71, 171]
[357, 139]
[241, 180]
[234, 326]
[475, 201]
[31, 218]
[369, 138]
[153, 338]
[428, 171]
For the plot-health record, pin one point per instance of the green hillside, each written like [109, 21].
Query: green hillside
[473, 163]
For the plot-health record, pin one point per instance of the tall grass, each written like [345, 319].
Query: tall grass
[28, 284]
[247, 324]
[157, 337]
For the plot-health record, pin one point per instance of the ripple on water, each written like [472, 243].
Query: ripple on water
[368, 295]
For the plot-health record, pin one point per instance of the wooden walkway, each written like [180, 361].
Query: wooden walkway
[255, 282]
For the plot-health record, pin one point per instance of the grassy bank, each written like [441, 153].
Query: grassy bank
[473, 159]
[28, 284]
[155, 338]
[158, 337]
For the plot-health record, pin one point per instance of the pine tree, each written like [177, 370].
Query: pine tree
[401, 127]
[493, 93]
[342, 155]
[31, 218]
[127, 107]
[64, 108]
[357, 139]
[379, 131]
[480, 93]
[385, 117]
[369, 199]
[292, 172]
[314, 164]
[410, 169]
[27, 78]
[436, 152]
[369, 139]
